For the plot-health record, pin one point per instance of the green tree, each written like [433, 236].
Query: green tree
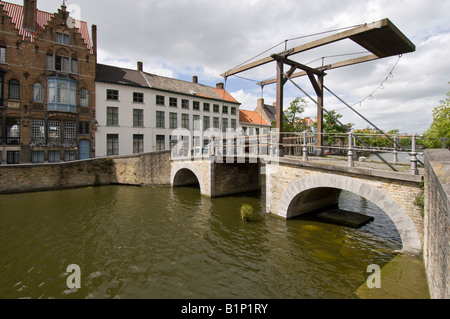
[440, 127]
[292, 116]
[331, 127]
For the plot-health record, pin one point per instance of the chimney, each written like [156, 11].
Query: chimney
[219, 86]
[94, 41]
[29, 15]
[140, 66]
[195, 79]
[261, 103]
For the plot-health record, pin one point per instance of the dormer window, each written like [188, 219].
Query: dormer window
[62, 38]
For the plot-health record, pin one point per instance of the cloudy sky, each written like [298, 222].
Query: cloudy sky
[182, 38]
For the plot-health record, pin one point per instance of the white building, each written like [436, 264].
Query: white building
[138, 112]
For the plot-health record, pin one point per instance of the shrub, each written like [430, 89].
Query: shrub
[248, 213]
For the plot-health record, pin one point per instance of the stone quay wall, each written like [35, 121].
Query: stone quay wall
[437, 223]
[141, 169]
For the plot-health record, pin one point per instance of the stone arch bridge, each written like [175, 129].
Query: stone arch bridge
[296, 187]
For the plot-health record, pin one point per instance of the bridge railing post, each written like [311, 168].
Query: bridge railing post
[350, 149]
[413, 169]
[305, 146]
[395, 152]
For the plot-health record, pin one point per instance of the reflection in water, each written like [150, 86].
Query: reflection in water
[159, 242]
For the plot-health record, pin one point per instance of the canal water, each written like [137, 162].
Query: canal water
[173, 243]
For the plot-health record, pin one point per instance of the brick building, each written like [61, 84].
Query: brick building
[47, 86]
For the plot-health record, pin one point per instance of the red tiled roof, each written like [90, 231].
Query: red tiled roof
[15, 12]
[225, 95]
[251, 117]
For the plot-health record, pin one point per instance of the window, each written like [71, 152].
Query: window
[83, 128]
[74, 63]
[62, 63]
[54, 156]
[216, 122]
[138, 118]
[54, 132]
[61, 95]
[69, 156]
[173, 120]
[185, 104]
[225, 109]
[138, 143]
[196, 120]
[14, 90]
[112, 144]
[173, 101]
[38, 93]
[160, 142]
[112, 116]
[224, 125]
[38, 131]
[206, 123]
[62, 38]
[84, 97]
[173, 140]
[196, 106]
[70, 133]
[112, 95]
[13, 157]
[160, 123]
[13, 131]
[233, 111]
[233, 124]
[50, 62]
[206, 107]
[160, 100]
[2, 54]
[138, 97]
[37, 157]
[185, 121]
[216, 108]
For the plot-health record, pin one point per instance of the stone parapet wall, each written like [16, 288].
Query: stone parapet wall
[142, 169]
[437, 224]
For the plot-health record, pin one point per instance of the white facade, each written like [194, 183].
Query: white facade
[122, 122]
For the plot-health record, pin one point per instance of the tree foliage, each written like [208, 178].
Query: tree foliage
[440, 127]
[331, 127]
[293, 121]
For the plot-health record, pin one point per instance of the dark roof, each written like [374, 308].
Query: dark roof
[122, 76]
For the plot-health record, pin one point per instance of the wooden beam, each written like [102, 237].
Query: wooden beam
[279, 110]
[314, 44]
[337, 65]
[297, 65]
[289, 73]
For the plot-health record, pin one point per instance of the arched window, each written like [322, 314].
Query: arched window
[14, 90]
[84, 97]
[38, 93]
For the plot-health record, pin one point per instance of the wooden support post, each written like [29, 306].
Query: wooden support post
[280, 83]
[319, 144]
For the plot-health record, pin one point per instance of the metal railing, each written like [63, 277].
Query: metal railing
[304, 144]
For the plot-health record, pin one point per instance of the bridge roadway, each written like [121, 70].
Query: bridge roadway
[295, 187]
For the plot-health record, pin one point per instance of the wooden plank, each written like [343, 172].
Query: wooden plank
[297, 65]
[337, 65]
[311, 45]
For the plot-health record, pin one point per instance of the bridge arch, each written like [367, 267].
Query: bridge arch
[327, 188]
[186, 174]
